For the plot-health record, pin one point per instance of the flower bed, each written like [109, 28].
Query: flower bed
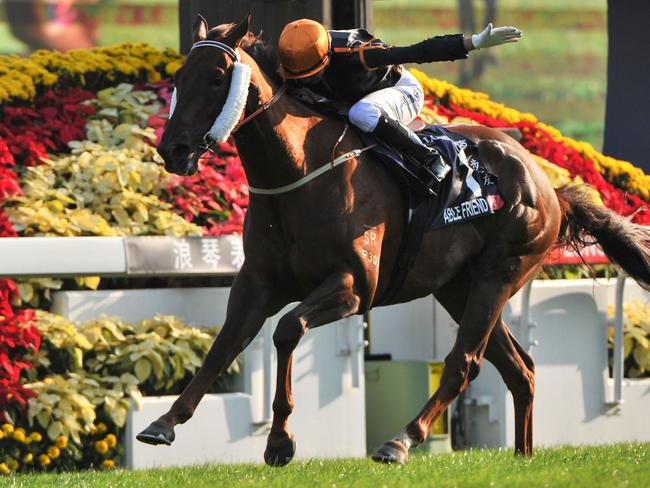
[77, 158]
[636, 339]
[77, 137]
[82, 382]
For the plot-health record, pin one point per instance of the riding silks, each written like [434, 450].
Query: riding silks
[468, 192]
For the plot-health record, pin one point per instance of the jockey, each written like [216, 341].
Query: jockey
[354, 67]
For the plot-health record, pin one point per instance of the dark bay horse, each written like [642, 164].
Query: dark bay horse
[332, 243]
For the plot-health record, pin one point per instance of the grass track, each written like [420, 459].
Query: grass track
[604, 466]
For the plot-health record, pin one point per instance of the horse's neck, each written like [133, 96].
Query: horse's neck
[274, 146]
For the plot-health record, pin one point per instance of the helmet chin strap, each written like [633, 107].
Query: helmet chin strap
[233, 109]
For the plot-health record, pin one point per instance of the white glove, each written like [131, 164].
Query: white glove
[493, 37]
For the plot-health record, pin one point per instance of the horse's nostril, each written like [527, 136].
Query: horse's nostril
[180, 150]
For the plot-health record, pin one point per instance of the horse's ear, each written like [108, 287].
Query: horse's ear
[236, 34]
[199, 29]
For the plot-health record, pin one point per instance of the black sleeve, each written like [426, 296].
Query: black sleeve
[438, 48]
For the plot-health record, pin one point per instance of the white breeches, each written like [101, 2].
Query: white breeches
[401, 102]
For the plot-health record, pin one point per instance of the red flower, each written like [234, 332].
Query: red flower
[18, 335]
[57, 118]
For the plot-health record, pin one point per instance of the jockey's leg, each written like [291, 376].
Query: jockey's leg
[385, 112]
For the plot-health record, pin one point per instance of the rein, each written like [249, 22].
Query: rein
[262, 108]
[307, 178]
[226, 126]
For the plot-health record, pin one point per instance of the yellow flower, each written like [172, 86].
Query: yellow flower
[53, 452]
[111, 440]
[108, 463]
[61, 442]
[2, 434]
[19, 436]
[29, 457]
[13, 464]
[101, 447]
[172, 67]
[44, 459]
[4, 469]
[8, 428]
[22, 78]
[35, 437]
[101, 427]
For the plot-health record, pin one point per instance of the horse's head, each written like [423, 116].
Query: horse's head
[210, 95]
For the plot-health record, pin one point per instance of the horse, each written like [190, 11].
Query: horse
[332, 242]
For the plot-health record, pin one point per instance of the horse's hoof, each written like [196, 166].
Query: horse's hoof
[157, 433]
[280, 454]
[392, 452]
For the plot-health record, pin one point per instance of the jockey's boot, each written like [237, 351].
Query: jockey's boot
[404, 139]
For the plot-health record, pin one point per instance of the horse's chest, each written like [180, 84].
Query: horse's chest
[312, 254]
[305, 251]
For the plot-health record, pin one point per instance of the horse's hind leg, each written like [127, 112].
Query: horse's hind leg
[514, 364]
[492, 285]
[518, 372]
[334, 299]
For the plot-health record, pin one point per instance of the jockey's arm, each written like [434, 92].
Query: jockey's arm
[440, 48]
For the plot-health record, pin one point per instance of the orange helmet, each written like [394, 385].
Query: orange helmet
[304, 49]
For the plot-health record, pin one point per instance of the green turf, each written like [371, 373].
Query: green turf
[611, 466]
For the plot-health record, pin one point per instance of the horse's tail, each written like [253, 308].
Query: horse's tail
[625, 243]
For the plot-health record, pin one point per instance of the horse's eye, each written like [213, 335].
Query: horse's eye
[217, 82]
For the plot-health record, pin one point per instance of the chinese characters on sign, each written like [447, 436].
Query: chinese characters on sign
[184, 255]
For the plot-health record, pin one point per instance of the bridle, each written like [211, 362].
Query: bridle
[262, 108]
[235, 98]
[242, 119]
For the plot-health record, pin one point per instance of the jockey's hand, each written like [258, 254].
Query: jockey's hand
[495, 36]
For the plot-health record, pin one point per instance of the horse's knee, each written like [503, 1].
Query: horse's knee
[288, 333]
[459, 371]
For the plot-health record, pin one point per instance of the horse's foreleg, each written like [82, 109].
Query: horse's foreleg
[248, 306]
[518, 372]
[483, 307]
[334, 299]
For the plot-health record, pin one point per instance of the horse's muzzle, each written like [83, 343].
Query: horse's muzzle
[179, 159]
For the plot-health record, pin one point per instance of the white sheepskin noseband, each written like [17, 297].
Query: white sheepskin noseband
[237, 94]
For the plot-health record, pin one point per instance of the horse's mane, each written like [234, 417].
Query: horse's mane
[256, 47]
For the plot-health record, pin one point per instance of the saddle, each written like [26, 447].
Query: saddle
[469, 191]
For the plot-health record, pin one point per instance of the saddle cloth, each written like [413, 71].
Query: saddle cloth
[469, 191]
